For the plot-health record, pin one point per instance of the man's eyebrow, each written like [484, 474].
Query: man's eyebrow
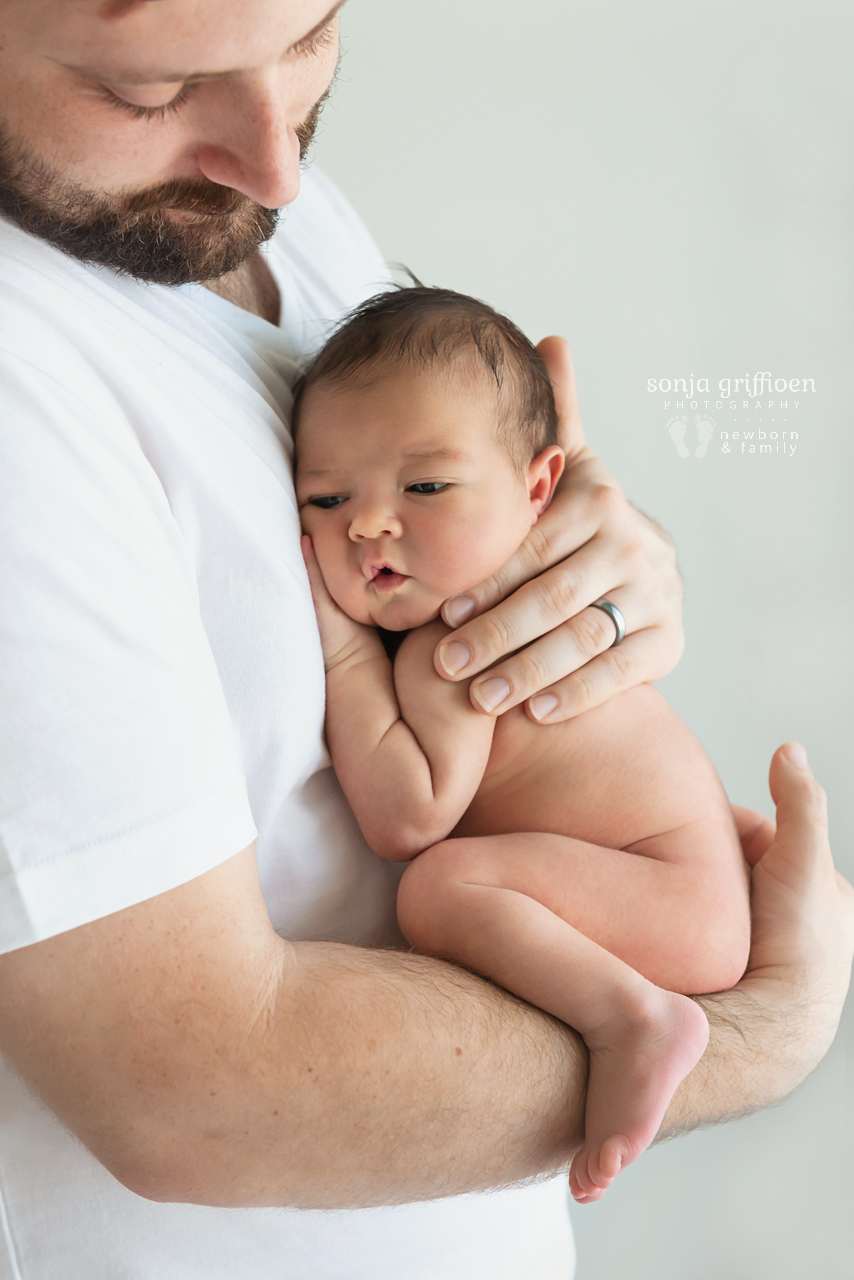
[182, 77]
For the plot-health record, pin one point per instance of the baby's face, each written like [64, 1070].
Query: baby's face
[407, 495]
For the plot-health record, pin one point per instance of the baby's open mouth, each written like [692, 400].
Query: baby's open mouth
[387, 579]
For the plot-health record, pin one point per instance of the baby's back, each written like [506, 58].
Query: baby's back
[617, 775]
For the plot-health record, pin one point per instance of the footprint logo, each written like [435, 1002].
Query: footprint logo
[705, 431]
[677, 428]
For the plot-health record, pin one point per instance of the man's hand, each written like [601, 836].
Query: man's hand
[776, 1025]
[589, 544]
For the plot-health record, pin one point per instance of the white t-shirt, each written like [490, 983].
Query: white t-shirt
[161, 706]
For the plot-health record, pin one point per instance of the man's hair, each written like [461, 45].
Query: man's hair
[429, 328]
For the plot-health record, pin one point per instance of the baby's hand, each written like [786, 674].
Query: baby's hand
[341, 638]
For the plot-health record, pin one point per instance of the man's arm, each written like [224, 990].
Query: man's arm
[202, 1059]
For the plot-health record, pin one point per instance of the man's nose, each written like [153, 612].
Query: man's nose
[372, 521]
[251, 145]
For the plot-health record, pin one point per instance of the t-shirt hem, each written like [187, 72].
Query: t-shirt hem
[38, 902]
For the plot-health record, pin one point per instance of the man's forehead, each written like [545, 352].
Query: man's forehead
[163, 41]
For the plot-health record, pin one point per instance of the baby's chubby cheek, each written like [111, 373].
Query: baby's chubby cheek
[346, 585]
[459, 560]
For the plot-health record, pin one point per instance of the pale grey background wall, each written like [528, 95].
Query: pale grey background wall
[669, 184]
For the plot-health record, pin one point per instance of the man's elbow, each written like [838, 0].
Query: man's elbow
[180, 1170]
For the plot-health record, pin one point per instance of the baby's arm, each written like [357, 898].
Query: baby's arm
[408, 748]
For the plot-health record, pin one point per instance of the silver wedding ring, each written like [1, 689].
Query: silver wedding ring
[616, 617]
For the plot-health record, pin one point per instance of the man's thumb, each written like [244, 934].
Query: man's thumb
[800, 801]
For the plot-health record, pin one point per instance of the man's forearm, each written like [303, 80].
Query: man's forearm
[388, 1078]
[755, 1057]
[203, 1059]
[392, 1077]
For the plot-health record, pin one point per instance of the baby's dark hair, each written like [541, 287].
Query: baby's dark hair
[426, 327]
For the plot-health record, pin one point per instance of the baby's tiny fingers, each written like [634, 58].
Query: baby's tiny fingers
[319, 590]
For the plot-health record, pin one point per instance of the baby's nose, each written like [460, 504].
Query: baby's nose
[377, 522]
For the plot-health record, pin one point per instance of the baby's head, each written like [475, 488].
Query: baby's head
[426, 443]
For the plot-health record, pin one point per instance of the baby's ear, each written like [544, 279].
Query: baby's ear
[543, 474]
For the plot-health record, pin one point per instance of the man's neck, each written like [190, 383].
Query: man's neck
[251, 287]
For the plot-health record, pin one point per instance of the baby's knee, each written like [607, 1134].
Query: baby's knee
[718, 955]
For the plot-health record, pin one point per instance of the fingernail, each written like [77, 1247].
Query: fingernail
[454, 656]
[542, 705]
[457, 609]
[491, 693]
[796, 755]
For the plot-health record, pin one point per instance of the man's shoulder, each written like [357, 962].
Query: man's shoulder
[48, 300]
[31, 268]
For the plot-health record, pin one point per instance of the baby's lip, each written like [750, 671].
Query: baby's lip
[373, 568]
[383, 576]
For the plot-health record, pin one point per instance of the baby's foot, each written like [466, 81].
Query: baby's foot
[676, 427]
[705, 431]
[636, 1063]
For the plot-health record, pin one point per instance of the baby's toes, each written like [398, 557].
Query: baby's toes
[607, 1162]
[582, 1185]
[578, 1180]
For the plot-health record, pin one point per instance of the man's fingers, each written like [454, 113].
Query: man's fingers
[801, 802]
[555, 355]
[637, 660]
[540, 664]
[526, 676]
[755, 831]
[560, 532]
[803, 911]
[549, 603]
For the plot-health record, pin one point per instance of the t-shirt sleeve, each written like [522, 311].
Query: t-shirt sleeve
[119, 770]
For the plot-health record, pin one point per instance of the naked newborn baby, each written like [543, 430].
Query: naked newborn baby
[591, 867]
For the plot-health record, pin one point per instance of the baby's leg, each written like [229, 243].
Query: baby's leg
[643, 1040]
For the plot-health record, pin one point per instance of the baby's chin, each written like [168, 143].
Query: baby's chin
[413, 605]
[403, 615]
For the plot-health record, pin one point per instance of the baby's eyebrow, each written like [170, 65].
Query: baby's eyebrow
[449, 455]
[440, 453]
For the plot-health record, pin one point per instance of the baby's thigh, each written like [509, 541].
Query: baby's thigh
[679, 929]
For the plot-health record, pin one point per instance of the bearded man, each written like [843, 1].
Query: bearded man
[211, 1041]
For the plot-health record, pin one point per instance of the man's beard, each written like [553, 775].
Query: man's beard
[217, 228]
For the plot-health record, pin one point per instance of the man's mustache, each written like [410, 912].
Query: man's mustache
[188, 196]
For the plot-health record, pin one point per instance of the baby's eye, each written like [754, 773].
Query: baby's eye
[428, 486]
[327, 503]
